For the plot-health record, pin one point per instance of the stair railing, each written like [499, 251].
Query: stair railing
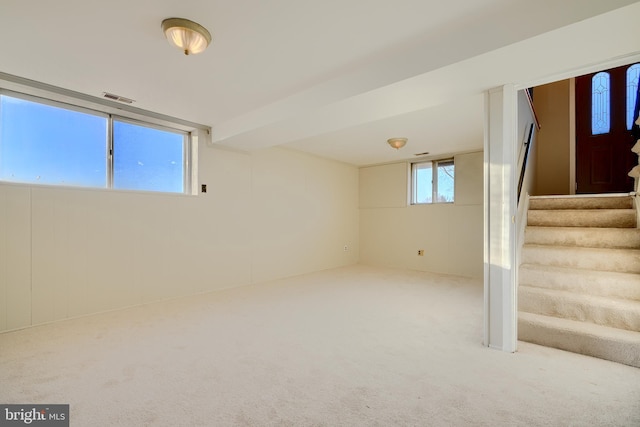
[527, 143]
[523, 168]
[531, 124]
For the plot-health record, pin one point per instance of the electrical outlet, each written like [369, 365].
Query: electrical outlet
[420, 252]
[346, 248]
[203, 188]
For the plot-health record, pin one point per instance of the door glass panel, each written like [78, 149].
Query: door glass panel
[633, 74]
[600, 104]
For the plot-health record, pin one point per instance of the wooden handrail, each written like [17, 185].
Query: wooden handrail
[527, 144]
[533, 110]
[523, 169]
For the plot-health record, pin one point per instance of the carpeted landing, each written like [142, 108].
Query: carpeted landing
[579, 278]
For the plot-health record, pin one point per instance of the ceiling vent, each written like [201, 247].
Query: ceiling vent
[422, 154]
[118, 98]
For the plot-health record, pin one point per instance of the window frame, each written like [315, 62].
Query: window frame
[434, 181]
[20, 88]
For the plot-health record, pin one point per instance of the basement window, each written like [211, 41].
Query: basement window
[148, 158]
[45, 141]
[433, 182]
[45, 144]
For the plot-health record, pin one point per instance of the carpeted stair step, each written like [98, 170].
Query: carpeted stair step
[606, 202]
[590, 282]
[579, 277]
[617, 345]
[621, 260]
[589, 237]
[612, 312]
[610, 218]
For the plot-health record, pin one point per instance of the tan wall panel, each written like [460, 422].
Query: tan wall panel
[15, 260]
[266, 215]
[552, 103]
[384, 186]
[450, 234]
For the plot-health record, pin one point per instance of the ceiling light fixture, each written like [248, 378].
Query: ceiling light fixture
[397, 143]
[186, 35]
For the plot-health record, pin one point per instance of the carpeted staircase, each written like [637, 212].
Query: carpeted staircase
[579, 278]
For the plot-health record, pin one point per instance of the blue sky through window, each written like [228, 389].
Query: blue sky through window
[445, 181]
[146, 158]
[41, 143]
[423, 182]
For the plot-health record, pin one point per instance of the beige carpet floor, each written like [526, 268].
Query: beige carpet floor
[356, 346]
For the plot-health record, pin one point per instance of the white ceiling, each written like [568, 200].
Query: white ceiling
[333, 78]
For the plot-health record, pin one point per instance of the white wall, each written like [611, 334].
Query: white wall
[67, 252]
[392, 231]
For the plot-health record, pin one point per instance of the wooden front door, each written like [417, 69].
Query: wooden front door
[603, 135]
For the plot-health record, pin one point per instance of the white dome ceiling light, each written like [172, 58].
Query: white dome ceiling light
[397, 143]
[188, 36]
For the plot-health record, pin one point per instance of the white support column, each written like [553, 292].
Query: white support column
[500, 269]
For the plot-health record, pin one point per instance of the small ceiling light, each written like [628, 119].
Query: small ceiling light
[186, 35]
[397, 143]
